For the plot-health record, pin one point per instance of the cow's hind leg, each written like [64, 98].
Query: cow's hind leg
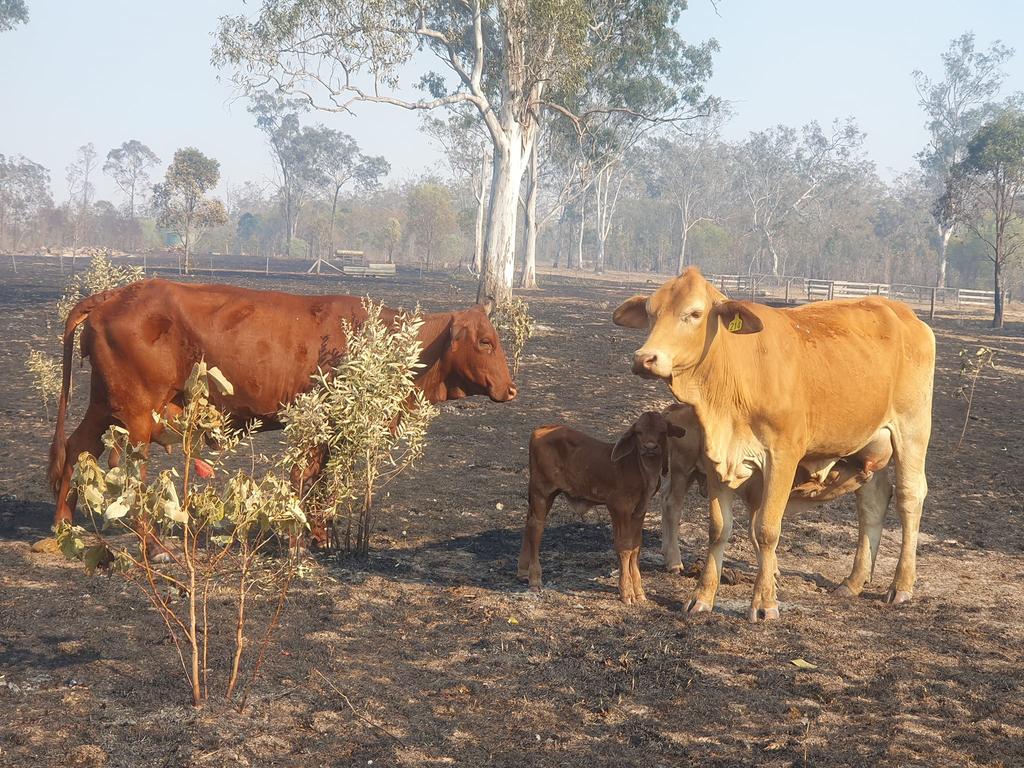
[140, 432]
[872, 503]
[911, 489]
[87, 438]
[529, 555]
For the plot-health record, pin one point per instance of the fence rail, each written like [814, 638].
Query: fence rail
[794, 288]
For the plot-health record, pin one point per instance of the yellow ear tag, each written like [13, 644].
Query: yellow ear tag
[736, 324]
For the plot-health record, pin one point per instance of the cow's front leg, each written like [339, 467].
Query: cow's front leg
[765, 529]
[719, 531]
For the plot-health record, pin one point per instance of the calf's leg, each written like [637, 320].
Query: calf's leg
[622, 540]
[672, 507]
[529, 555]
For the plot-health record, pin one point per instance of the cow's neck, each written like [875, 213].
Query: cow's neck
[434, 335]
[711, 387]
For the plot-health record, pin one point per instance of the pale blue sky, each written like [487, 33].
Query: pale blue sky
[110, 70]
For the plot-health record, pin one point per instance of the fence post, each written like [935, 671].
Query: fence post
[14, 264]
[931, 310]
[831, 289]
[268, 265]
[787, 290]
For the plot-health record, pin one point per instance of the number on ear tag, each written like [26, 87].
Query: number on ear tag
[736, 324]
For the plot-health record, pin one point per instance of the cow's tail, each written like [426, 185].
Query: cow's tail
[58, 449]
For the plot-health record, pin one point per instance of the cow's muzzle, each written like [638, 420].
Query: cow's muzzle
[651, 365]
[503, 397]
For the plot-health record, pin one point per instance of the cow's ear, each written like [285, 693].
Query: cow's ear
[624, 446]
[458, 328]
[674, 430]
[632, 313]
[737, 317]
[488, 305]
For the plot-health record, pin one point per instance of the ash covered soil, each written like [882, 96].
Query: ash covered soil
[431, 653]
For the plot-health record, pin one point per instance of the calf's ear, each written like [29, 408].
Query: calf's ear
[674, 430]
[624, 446]
[632, 313]
[488, 305]
[737, 317]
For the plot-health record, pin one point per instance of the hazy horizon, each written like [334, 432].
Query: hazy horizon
[107, 72]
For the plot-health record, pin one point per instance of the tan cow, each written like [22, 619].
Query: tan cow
[777, 390]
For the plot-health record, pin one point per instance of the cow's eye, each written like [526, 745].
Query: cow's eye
[695, 314]
[487, 343]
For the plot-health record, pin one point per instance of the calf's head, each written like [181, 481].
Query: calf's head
[682, 318]
[475, 359]
[648, 439]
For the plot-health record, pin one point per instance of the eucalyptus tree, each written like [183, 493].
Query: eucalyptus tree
[81, 189]
[508, 61]
[956, 107]
[779, 171]
[334, 161]
[294, 149]
[986, 189]
[468, 151]
[24, 196]
[181, 203]
[12, 13]
[687, 167]
[128, 165]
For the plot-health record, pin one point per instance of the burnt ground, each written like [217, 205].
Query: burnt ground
[437, 656]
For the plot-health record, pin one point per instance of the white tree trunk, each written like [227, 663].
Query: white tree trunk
[481, 210]
[529, 276]
[500, 243]
[945, 232]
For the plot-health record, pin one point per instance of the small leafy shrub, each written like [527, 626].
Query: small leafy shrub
[971, 367]
[516, 326]
[223, 523]
[46, 377]
[101, 275]
[364, 421]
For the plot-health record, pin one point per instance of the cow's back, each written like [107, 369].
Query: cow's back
[147, 337]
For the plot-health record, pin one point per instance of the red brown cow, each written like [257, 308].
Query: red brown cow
[623, 476]
[143, 339]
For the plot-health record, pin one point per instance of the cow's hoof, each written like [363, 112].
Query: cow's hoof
[523, 576]
[763, 614]
[675, 568]
[696, 606]
[843, 592]
[897, 596]
[47, 546]
[640, 598]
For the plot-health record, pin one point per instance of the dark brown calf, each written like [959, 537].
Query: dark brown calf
[623, 476]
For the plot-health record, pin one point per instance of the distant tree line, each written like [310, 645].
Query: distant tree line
[610, 178]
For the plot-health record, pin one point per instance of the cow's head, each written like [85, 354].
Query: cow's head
[648, 438]
[683, 317]
[474, 358]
